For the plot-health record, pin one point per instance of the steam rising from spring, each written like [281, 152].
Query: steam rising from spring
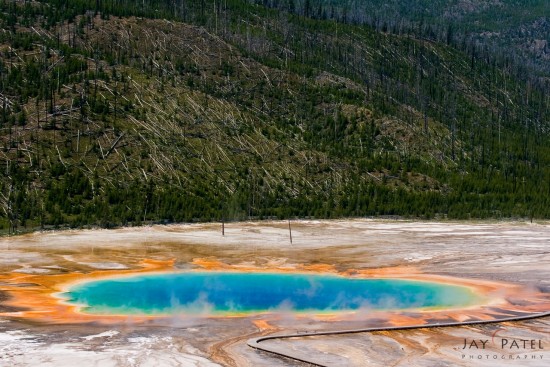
[228, 293]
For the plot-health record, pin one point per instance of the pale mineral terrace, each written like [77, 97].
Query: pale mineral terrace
[511, 259]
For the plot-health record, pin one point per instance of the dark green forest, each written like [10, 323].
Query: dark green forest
[119, 112]
[508, 30]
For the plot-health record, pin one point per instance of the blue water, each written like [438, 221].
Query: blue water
[232, 292]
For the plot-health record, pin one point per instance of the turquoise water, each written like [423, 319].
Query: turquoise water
[232, 292]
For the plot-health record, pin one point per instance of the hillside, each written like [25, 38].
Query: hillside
[117, 112]
[489, 26]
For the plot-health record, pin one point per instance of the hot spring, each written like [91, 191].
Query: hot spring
[223, 293]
